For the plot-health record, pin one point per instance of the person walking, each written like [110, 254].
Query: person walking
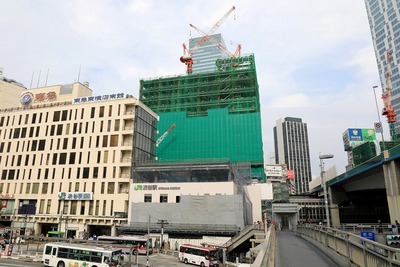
[380, 230]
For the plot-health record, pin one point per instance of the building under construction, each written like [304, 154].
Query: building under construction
[216, 116]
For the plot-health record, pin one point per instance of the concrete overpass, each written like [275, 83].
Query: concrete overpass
[367, 193]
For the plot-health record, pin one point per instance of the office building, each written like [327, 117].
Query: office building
[292, 149]
[207, 53]
[66, 156]
[384, 22]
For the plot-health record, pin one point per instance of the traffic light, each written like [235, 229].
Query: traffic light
[392, 240]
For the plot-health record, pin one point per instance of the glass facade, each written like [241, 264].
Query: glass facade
[205, 56]
[384, 21]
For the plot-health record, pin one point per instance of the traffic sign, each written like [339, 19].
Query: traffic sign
[378, 127]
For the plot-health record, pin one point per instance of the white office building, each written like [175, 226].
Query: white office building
[66, 156]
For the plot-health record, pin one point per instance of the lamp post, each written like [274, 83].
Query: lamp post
[323, 181]
[379, 117]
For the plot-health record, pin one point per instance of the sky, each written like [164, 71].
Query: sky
[315, 59]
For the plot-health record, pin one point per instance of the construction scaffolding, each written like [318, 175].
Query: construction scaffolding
[217, 115]
[233, 86]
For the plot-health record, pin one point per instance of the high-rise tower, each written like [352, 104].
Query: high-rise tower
[206, 54]
[292, 149]
[384, 22]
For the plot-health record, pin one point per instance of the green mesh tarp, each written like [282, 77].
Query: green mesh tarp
[236, 137]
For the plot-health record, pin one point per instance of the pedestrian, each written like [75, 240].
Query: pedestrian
[380, 230]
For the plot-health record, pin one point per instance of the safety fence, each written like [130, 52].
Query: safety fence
[350, 248]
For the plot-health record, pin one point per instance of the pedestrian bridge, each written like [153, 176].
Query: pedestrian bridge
[315, 245]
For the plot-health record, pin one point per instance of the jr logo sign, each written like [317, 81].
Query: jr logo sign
[138, 187]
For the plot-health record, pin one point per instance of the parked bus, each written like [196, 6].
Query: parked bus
[69, 254]
[198, 255]
[136, 244]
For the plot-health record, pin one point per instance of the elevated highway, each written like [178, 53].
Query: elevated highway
[367, 193]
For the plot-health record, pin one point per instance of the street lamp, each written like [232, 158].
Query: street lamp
[323, 181]
[379, 117]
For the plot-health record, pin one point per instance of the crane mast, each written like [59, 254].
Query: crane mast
[388, 109]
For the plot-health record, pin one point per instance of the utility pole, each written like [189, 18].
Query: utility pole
[148, 245]
[162, 222]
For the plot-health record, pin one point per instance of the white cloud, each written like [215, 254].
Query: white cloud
[314, 58]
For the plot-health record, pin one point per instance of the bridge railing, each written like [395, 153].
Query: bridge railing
[355, 249]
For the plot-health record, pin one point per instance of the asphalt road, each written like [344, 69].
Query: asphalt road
[292, 250]
[154, 260]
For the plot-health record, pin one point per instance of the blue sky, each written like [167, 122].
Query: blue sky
[315, 59]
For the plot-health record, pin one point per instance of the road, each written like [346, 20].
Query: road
[155, 260]
[292, 250]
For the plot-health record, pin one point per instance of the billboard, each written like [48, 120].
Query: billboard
[273, 170]
[355, 136]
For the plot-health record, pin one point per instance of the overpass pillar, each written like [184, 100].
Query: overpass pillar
[391, 171]
[336, 196]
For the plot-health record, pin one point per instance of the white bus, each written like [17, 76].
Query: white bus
[136, 244]
[198, 255]
[68, 254]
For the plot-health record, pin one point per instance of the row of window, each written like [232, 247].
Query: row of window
[78, 207]
[64, 158]
[77, 254]
[49, 188]
[163, 198]
[66, 173]
[64, 115]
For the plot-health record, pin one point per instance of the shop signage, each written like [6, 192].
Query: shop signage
[75, 196]
[86, 99]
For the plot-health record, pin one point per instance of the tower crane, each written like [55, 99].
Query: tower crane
[162, 137]
[388, 109]
[219, 45]
[187, 55]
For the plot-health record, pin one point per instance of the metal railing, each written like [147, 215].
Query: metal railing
[356, 250]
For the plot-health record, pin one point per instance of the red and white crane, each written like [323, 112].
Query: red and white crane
[187, 57]
[388, 109]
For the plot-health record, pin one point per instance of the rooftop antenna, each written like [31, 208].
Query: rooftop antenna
[33, 73]
[79, 73]
[47, 76]
[38, 79]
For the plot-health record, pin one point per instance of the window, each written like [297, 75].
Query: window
[28, 188]
[101, 112]
[110, 188]
[163, 198]
[73, 207]
[114, 140]
[147, 198]
[86, 172]
[83, 208]
[103, 184]
[92, 113]
[56, 116]
[35, 188]
[178, 199]
[63, 158]
[95, 172]
[41, 206]
[45, 188]
[48, 206]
